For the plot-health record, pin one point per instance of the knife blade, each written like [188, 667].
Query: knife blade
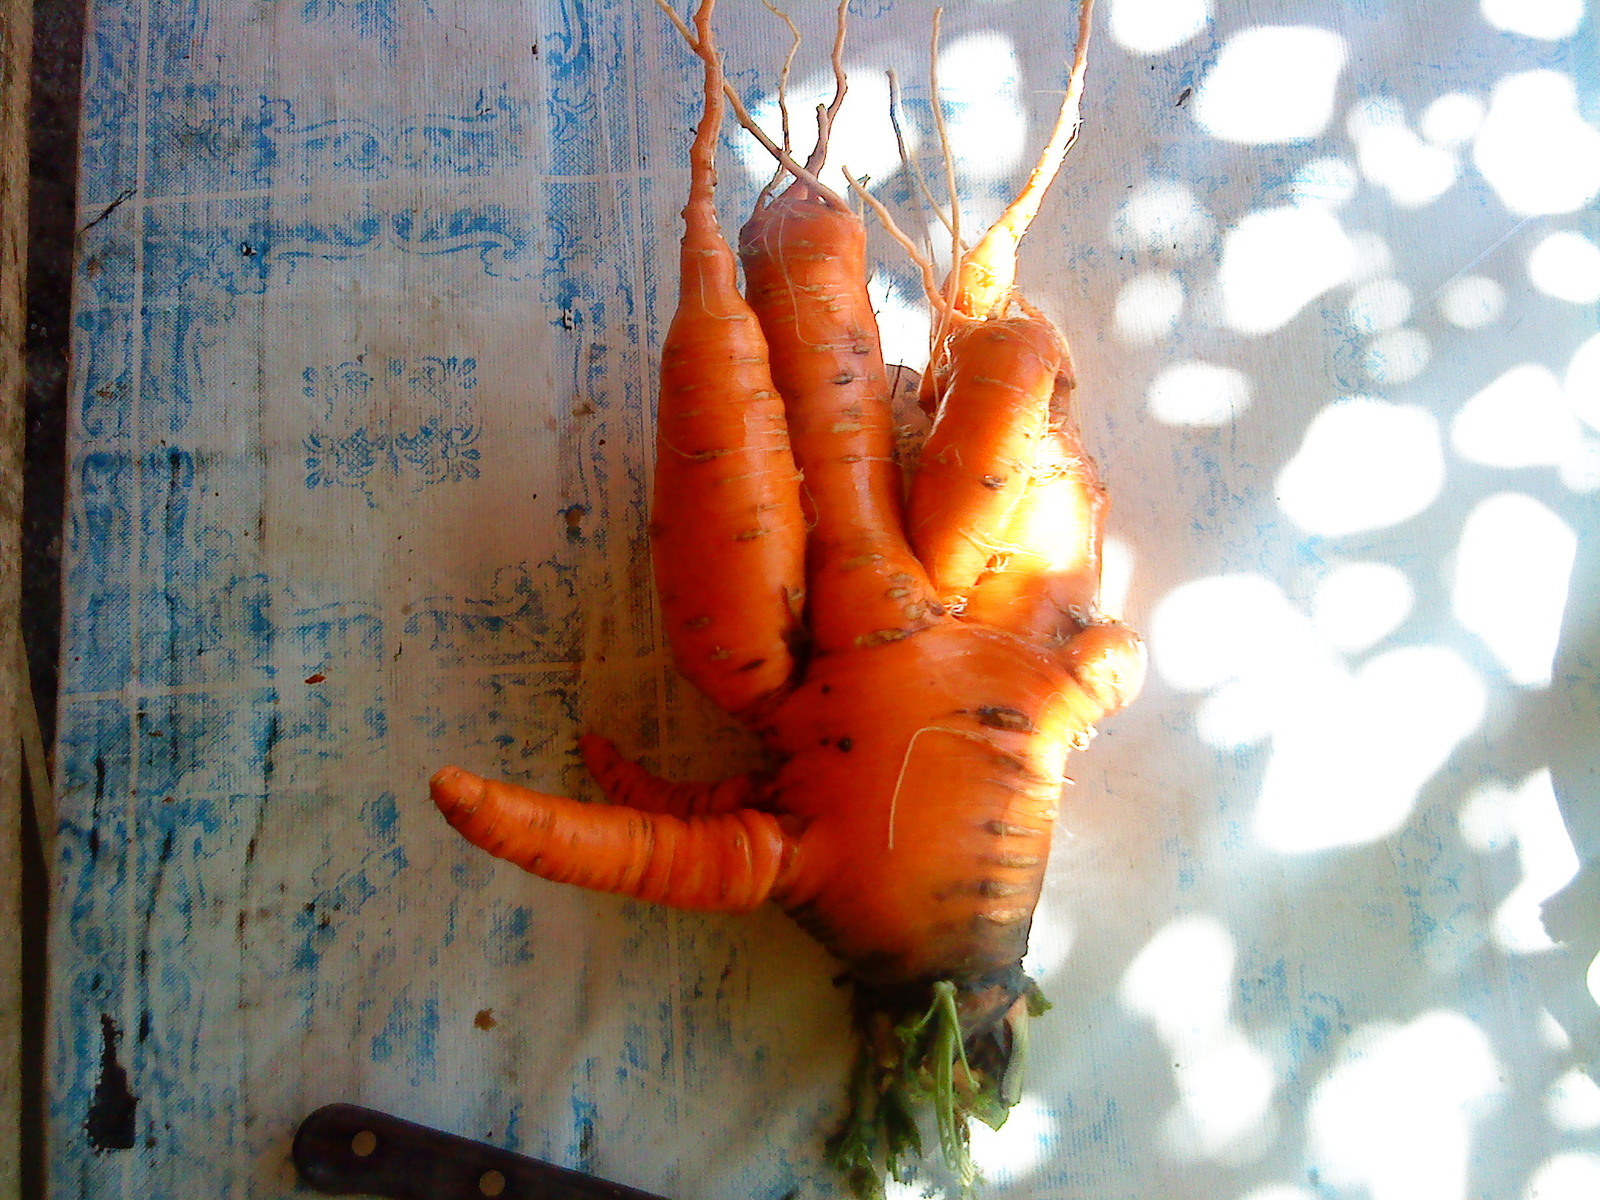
[344, 1149]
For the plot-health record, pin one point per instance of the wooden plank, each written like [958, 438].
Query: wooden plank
[368, 303]
[16, 44]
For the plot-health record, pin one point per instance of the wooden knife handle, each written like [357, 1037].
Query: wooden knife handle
[344, 1149]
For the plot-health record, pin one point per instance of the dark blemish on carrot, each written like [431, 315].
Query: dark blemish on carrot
[993, 482]
[846, 744]
[997, 716]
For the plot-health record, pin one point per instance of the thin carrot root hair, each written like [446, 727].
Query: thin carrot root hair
[741, 114]
[985, 277]
[783, 98]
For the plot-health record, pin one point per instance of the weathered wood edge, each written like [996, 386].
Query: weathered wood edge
[16, 48]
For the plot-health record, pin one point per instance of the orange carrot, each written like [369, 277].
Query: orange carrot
[804, 257]
[726, 862]
[726, 486]
[996, 380]
[916, 754]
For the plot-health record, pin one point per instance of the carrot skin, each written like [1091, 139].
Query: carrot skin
[1046, 583]
[997, 382]
[926, 804]
[805, 277]
[726, 491]
[728, 862]
[626, 782]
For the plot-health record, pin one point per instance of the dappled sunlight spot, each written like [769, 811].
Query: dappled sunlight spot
[1521, 419]
[1182, 982]
[1240, 713]
[1371, 256]
[1452, 119]
[1014, 1150]
[1324, 180]
[1116, 576]
[902, 322]
[1551, 1033]
[1547, 860]
[978, 77]
[1364, 464]
[1156, 26]
[1550, 20]
[1484, 818]
[1395, 158]
[1536, 151]
[1207, 632]
[1572, 1175]
[1581, 470]
[1573, 1102]
[1379, 305]
[1163, 217]
[1512, 569]
[1049, 942]
[1351, 751]
[1148, 307]
[1198, 393]
[1566, 265]
[1277, 261]
[1359, 604]
[1472, 302]
[1225, 1102]
[1397, 356]
[862, 136]
[1395, 1117]
[1272, 83]
[1582, 382]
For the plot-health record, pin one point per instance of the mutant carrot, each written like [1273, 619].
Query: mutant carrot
[916, 754]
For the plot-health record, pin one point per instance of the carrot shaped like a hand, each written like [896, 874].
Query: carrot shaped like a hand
[918, 666]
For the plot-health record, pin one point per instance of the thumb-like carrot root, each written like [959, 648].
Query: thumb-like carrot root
[728, 862]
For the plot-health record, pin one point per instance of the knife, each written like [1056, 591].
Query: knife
[344, 1149]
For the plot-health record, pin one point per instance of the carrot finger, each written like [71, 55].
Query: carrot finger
[1044, 582]
[730, 862]
[805, 273]
[626, 782]
[726, 499]
[1108, 661]
[997, 381]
